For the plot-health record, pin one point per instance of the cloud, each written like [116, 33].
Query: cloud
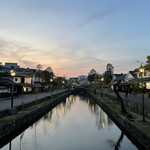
[67, 58]
[16, 52]
[98, 15]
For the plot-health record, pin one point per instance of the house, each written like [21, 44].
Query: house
[22, 79]
[82, 78]
[118, 77]
[130, 76]
[75, 79]
[37, 82]
[145, 74]
[25, 80]
[142, 77]
[11, 65]
[6, 87]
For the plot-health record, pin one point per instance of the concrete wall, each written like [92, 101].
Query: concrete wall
[17, 79]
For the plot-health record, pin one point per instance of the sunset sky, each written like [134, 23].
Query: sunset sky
[75, 36]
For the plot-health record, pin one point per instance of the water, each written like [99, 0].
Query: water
[76, 124]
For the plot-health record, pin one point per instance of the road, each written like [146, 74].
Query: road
[5, 104]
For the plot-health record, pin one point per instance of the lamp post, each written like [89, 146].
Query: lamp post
[12, 73]
[102, 79]
[141, 70]
[63, 82]
[51, 81]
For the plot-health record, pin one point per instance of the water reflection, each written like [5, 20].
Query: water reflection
[102, 119]
[77, 121]
[10, 145]
[116, 145]
[21, 136]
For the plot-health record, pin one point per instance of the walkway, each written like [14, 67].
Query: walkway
[18, 100]
[132, 98]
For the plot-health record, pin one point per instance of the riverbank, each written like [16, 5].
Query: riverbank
[130, 122]
[12, 125]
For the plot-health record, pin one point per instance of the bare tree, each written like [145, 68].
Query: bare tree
[39, 67]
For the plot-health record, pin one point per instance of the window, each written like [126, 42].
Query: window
[144, 73]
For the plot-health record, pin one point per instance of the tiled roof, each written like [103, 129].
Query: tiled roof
[120, 76]
[7, 82]
[133, 74]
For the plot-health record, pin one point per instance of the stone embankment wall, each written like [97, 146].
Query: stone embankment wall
[10, 130]
[131, 131]
[134, 106]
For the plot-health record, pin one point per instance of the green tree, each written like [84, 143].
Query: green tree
[107, 78]
[46, 76]
[93, 77]
[148, 59]
[147, 66]
[59, 82]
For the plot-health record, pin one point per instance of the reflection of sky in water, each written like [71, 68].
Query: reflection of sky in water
[77, 123]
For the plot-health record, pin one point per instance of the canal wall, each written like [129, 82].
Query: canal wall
[133, 133]
[12, 129]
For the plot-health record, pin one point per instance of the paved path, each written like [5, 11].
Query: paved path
[5, 104]
[133, 98]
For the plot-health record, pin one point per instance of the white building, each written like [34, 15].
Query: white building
[130, 76]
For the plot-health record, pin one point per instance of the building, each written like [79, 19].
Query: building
[75, 79]
[118, 77]
[11, 65]
[82, 78]
[130, 76]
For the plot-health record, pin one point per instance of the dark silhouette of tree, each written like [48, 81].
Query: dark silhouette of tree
[116, 145]
[46, 76]
[91, 77]
[116, 91]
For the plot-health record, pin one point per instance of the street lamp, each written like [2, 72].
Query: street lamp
[63, 83]
[51, 81]
[141, 70]
[102, 79]
[12, 73]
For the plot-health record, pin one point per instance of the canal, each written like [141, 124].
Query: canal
[78, 123]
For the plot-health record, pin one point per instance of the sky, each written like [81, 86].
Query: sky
[75, 36]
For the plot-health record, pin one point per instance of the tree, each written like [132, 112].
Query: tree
[107, 77]
[148, 60]
[116, 91]
[49, 69]
[110, 68]
[39, 67]
[46, 76]
[147, 66]
[91, 77]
